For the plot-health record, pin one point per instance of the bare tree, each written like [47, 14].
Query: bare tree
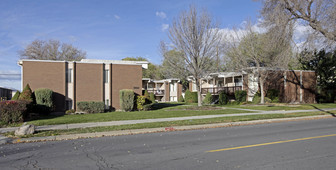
[195, 34]
[52, 50]
[320, 15]
[266, 52]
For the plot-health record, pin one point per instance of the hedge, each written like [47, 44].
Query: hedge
[16, 96]
[240, 95]
[191, 97]
[91, 106]
[223, 98]
[126, 99]
[208, 99]
[44, 100]
[13, 111]
[181, 99]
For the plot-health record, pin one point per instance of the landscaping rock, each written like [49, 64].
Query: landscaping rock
[25, 130]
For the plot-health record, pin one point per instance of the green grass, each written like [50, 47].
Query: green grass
[115, 116]
[172, 123]
[284, 107]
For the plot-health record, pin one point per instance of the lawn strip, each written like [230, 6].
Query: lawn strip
[172, 123]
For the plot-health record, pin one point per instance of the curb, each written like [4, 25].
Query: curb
[161, 129]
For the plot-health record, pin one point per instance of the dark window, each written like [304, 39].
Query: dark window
[69, 75]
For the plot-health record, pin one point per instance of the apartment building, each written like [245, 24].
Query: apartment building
[295, 86]
[6, 93]
[85, 80]
[166, 90]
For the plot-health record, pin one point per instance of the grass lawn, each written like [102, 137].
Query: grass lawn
[172, 123]
[284, 106]
[164, 112]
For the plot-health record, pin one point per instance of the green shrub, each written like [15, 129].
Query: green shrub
[147, 107]
[276, 100]
[152, 97]
[180, 99]
[126, 99]
[91, 106]
[272, 94]
[191, 97]
[146, 94]
[26, 94]
[208, 99]
[44, 100]
[141, 100]
[240, 96]
[71, 111]
[257, 99]
[16, 96]
[13, 111]
[222, 98]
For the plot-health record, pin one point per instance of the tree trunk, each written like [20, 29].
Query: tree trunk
[262, 95]
[199, 96]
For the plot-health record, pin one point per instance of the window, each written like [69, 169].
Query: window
[69, 75]
[106, 76]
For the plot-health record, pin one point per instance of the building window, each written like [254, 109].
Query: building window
[106, 76]
[69, 75]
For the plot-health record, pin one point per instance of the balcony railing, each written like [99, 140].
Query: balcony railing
[216, 90]
[156, 92]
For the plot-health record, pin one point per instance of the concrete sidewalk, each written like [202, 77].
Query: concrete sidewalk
[128, 122]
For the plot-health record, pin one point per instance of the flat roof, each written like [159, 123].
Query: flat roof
[144, 64]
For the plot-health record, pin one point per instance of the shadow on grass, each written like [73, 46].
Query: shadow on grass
[325, 111]
[158, 106]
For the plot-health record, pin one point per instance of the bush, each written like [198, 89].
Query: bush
[240, 96]
[152, 97]
[91, 106]
[126, 99]
[223, 98]
[208, 99]
[71, 111]
[257, 99]
[16, 96]
[141, 100]
[44, 100]
[146, 94]
[191, 97]
[273, 94]
[13, 111]
[27, 94]
[147, 107]
[180, 99]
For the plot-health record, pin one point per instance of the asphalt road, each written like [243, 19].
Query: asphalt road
[288, 145]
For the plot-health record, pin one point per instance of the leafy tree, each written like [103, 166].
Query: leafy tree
[152, 72]
[323, 63]
[52, 50]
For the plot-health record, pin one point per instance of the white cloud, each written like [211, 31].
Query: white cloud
[164, 27]
[161, 14]
[116, 16]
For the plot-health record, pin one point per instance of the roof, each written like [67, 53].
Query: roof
[144, 64]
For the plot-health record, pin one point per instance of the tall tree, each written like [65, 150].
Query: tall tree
[323, 63]
[195, 34]
[264, 51]
[52, 50]
[320, 15]
[153, 71]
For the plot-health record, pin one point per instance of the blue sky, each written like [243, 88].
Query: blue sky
[107, 29]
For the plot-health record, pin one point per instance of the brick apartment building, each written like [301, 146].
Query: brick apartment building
[85, 80]
[294, 86]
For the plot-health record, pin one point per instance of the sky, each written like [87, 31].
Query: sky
[104, 29]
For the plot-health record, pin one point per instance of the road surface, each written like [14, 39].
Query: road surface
[286, 145]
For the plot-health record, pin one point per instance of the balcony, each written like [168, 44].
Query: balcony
[156, 92]
[216, 90]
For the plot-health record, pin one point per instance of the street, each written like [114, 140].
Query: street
[286, 145]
